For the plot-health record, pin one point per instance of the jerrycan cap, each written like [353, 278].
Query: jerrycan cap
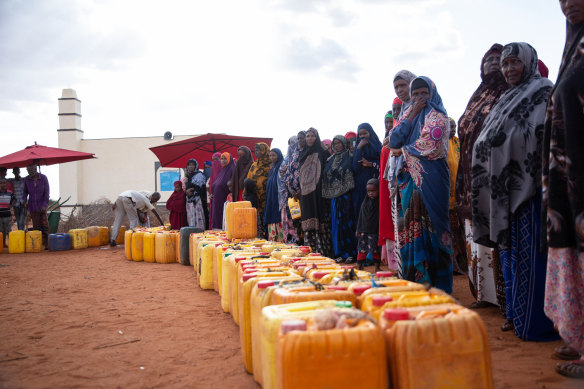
[250, 270]
[294, 259]
[359, 289]
[319, 274]
[337, 287]
[384, 274]
[396, 314]
[348, 267]
[237, 259]
[304, 249]
[248, 276]
[264, 253]
[379, 299]
[314, 255]
[344, 304]
[265, 284]
[293, 325]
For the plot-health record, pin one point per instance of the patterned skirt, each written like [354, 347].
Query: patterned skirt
[422, 260]
[564, 294]
[524, 269]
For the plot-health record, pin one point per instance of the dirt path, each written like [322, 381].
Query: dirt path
[90, 318]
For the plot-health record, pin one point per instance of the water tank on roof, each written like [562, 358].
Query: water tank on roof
[168, 135]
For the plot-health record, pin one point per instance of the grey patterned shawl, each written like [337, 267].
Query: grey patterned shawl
[506, 161]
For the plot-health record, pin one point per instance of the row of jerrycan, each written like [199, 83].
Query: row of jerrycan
[159, 246]
[261, 294]
[31, 241]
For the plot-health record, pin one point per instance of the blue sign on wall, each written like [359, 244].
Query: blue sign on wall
[167, 179]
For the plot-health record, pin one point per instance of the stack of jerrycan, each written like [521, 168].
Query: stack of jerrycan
[335, 348]
[437, 346]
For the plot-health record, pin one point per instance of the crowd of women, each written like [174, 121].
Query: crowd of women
[429, 205]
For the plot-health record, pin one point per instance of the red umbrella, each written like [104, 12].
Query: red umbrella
[41, 155]
[202, 148]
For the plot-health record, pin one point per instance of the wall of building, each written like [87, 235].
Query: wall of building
[120, 163]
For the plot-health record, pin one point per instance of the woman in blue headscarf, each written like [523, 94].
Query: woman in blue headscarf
[272, 218]
[365, 162]
[421, 136]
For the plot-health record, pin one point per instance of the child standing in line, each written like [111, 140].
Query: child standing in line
[176, 204]
[6, 201]
[250, 194]
[368, 227]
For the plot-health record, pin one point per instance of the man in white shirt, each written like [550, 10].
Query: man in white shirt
[130, 203]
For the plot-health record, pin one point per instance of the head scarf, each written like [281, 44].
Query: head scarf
[543, 70]
[338, 172]
[470, 126]
[563, 182]
[350, 135]
[292, 176]
[176, 205]
[397, 101]
[196, 180]
[272, 209]
[215, 168]
[328, 142]
[240, 172]
[372, 150]
[283, 171]
[506, 161]
[227, 156]
[408, 77]
[424, 142]
[207, 169]
[259, 171]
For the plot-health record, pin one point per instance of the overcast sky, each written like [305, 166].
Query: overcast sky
[253, 67]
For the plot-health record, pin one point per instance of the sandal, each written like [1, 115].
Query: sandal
[350, 260]
[566, 353]
[507, 326]
[479, 305]
[573, 369]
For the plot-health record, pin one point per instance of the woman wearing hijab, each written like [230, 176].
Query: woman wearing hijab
[337, 183]
[327, 145]
[288, 230]
[365, 162]
[484, 266]
[401, 86]
[351, 137]
[272, 217]
[312, 207]
[421, 137]
[506, 190]
[242, 166]
[292, 176]
[220, 190]
[563, 188]
[196, 196]
[176, 205]
[386, 227]
[258, 172]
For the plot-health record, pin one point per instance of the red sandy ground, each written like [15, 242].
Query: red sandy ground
[90, 318]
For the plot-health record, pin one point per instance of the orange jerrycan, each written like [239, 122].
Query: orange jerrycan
[165, 247]
[93, 238]
[424, 344]
[148, 247]
[104, 236]
[128, 243]
[138, 246]
[347, 356]
[121, 239]
[265, 332]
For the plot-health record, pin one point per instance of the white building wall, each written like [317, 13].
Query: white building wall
[120, 163]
